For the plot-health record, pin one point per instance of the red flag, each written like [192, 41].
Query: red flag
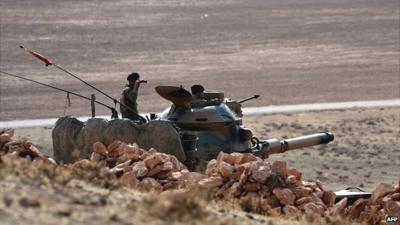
[39, 56]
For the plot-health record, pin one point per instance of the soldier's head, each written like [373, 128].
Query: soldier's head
[132, 78]
[198, 91]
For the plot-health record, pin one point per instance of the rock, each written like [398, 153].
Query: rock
[239, 169]
[8, 131]
[304, 200]
[246, 157]
[152, 172]
[132, 147]
[234, 190]
[95, 157]
[211, 182]
[167, 166]
[310, 184]
[356, 208]
[117, 171]
[275, 180]
[178, 166]
[295, 173]
[226, 169]
[4, 138]
[392, 208]
[273, 201]
[232, 158]
[285, 196]
[113, 146]
[176, 175]
[277, 211]
[237, 158]
[52, 160]
[338, 208]
[329, 198]
[127, 169]
[163, 175]
[319, 185]
[318, 192]
[246, 168]
[129, 179]
[261, 172]
[29, 202]
[397, 187]
[311, 208]
[251, 201]
[128, 154]
[150, 184]
[291, 179]
[191, 178]
[223, 191]
[381, 190]
[139, 169]
[7, 200]
[301, 191]
[291, 211]
[280, 168]
[251, 186]
[152, 161]
[224, 157]
[212, 167]
[121, 148]
[124, 164]
[396, 196]
[265, 192]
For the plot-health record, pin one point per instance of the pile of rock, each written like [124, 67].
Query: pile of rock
[385, 201]
[275, 188]
[21, 148]
[270, 186]
[143, 169]
[266, 187]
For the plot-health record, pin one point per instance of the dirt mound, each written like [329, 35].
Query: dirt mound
[138, 168]
[257, 186]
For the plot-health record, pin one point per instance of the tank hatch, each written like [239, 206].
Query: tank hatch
[210, 117]
[177, 95]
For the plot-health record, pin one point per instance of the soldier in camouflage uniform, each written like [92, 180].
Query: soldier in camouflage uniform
[129, 97]
[198, 100]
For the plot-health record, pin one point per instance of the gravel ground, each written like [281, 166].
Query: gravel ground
[288, 51]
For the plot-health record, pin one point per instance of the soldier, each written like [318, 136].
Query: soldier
[197, 92]
[199, 100]
[129, 97]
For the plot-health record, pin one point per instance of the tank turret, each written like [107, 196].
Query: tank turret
[217, 126]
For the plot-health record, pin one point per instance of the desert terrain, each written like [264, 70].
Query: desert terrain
[289, 52]
[364, 153]
[365, 150]
[286, 51]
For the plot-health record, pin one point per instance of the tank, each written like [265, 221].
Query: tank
[192, 132]
[217, 126]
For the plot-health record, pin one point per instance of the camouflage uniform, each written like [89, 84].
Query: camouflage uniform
[129, 97]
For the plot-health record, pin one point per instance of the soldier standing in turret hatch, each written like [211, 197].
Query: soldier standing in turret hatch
[199, 100]
[129, 97]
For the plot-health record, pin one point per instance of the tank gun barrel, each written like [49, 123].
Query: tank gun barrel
[276, 146]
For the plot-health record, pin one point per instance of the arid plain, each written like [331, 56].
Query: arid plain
[289, 52]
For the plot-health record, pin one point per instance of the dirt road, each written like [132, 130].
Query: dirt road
[287, 51]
